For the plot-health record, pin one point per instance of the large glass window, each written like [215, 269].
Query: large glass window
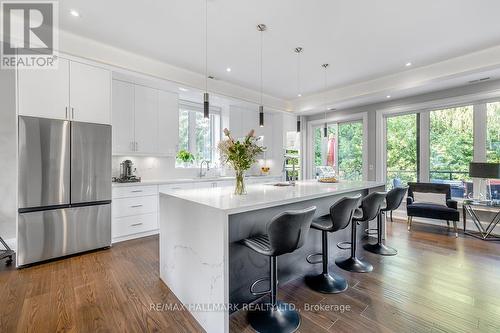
[198, 135]
[451, 148]
[493, 132]
[341, 150]
[402, 150]
[350, 150]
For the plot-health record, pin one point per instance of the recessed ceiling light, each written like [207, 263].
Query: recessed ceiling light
[299, 95]
[183, 89]
[388, 96]
[408, 64]
[228, 69]
[74, 13]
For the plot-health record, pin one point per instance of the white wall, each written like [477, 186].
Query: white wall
[8, 156]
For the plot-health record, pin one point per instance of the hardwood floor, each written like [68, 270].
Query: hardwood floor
[436, 283]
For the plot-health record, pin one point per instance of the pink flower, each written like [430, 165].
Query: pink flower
[226, 132]
[251, 134]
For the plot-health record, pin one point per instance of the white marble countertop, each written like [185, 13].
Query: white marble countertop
[188, 180]
[261, 196]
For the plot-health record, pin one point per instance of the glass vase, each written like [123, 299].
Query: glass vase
[240, 189]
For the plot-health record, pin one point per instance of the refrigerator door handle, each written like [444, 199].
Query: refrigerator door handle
[73, 113]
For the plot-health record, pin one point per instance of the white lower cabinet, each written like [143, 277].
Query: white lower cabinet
[134, 212]
[135, 208]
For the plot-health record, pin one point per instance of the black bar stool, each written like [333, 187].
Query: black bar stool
[285, 233]
[339, 218]
[393, 199]
[369, 209]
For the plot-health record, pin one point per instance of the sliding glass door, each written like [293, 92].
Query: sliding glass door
[402, 164]
[340, 151]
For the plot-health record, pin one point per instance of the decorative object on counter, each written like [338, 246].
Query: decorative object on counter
[185, 157]
[265, 170]
[240, 156]
[328, 180]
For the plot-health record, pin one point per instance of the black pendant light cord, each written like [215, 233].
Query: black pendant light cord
[261, 28]
[206, 98]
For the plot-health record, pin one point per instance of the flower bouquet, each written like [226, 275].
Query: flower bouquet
[240, 156]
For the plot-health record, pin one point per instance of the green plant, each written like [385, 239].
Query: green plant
[185, 156]
[240, 155]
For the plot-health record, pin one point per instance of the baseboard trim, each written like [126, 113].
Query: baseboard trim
[134, 236]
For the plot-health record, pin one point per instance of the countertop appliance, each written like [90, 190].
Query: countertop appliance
[127, 173]
[64, 188]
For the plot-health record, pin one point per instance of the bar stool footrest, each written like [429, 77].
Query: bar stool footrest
[260, 293]
[344, 245]
[314, 262]
[371, 231]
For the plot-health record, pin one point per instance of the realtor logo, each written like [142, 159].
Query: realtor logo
[29, 34]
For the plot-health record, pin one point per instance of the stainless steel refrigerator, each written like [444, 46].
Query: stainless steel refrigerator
[64, 188]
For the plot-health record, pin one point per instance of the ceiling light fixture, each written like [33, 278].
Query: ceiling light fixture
[183, 89]
[408, 64]
[298, 124]
[261, 28]
[388, 96]
[206, 97]
[228, 69]
[74, 13]
[325, 128]
[298, 50]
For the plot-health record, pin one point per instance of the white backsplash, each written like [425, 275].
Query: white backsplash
[162, 168]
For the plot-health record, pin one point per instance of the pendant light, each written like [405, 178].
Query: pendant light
[325, 128]
[261, 28]
[298, 50]
[206, 97]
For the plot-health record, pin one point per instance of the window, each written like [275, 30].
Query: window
[198, 135]
[451, 148]
[493, 133]
[341, 149]
[402, 150]
[350, 150]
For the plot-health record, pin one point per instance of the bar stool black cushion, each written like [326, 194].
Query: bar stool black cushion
[285, 233]
[369, 209]
[393, 199]
[340, 216]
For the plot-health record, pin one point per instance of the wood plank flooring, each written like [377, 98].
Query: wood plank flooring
[436, 283]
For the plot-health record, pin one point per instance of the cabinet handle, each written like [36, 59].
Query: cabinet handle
[66, 109]
[135, 206]
[136, 146]
[136, 191]
[135, 224]
[73, 113]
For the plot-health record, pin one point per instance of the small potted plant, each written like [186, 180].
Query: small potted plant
[240, 156]
[185, 157]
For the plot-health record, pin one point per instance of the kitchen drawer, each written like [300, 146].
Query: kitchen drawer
[134, 191]
[135, 206]
[125, 226]
[180, 186]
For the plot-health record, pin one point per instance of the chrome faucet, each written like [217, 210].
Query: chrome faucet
[203, 174]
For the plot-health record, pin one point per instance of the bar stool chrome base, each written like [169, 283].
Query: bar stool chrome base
[354, 264]
[381, 249]
[283, 318]
[326, 283]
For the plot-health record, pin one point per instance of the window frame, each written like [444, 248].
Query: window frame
[338, 119]
[479, 103]
[215, 130]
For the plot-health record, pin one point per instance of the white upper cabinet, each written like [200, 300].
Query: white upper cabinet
[90, 93]
[123, 117]
[168, 123]
[146, 119]
[73, 91]
[45, 92]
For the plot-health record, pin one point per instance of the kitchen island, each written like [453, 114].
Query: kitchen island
[201, 258]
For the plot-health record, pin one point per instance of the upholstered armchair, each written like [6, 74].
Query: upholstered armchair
[431, 201]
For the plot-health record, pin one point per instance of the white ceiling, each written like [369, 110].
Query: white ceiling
[361, 40]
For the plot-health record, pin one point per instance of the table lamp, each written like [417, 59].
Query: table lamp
[484, 171]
